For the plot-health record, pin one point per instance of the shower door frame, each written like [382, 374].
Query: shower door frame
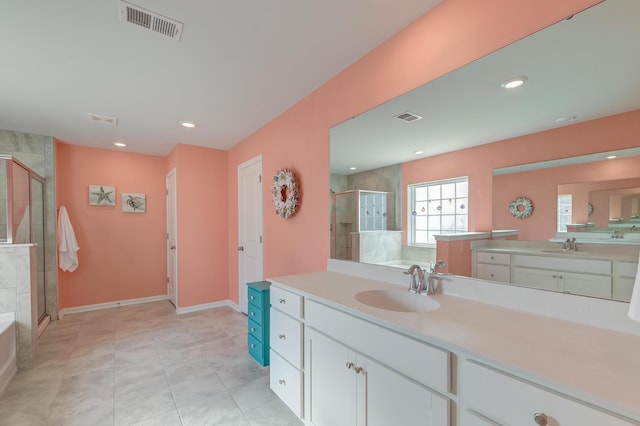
[9, 214]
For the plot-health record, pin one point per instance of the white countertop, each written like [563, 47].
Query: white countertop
[593, 364]
[585, 251]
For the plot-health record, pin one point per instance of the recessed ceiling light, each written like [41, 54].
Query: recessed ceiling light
[418, 152]
[187, 124]
[611, 157]
[568, 119]
[353, 168]
[514, 82]
[120, 144]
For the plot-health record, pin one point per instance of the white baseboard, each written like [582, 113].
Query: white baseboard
[204, 306]
[108, 305]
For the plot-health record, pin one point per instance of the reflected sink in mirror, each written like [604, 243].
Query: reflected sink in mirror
[397, 300]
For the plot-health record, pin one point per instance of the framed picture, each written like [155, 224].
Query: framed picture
[133, 203]
[102, 195]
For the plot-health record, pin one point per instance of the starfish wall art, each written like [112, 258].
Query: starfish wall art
[102, 195]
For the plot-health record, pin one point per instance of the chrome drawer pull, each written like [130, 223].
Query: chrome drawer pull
[282, 336]
[540, 419]
[253, 329]
[282, 382]
[349, 365]
[252, 298]
[253, 314]
[283, 301]
[253, 346]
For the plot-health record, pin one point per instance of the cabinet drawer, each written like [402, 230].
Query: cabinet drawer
[255, 314]
[489, 272]
[495, 258]
[287, 302]
[255, 297]
[256, 349]
[511, 401]
[401, 353]
[627, 269]
[285, 336]
[562, 262]
[256, 330]
[286, 381]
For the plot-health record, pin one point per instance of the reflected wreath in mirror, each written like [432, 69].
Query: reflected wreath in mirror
[521, 207]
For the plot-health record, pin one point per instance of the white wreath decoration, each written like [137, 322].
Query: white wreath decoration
[521, 207]
[286, 196]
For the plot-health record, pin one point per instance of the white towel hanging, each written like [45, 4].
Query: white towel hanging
[67, 244]
[634, 306]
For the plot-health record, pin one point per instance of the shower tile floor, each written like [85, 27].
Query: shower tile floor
[144, 365]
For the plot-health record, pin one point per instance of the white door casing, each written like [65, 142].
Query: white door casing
[250, 253]
[172, 239]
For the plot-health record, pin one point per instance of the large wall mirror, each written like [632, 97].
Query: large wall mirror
[579, 71]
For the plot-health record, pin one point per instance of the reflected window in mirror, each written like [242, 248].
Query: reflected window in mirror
[564, 211]
[440, 207]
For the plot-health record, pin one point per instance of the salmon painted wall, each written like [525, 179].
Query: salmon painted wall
[201, 186]
[452, 34]
[122, 255]
[616, 132]
[541, 186]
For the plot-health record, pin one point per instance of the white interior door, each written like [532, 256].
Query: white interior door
[250, 256]
[172, 239]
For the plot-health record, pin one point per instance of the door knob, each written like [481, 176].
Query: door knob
[172, 247]
[241, 248]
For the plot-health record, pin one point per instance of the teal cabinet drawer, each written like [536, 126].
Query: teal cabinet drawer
[257, 350]
[258, 321]
[256, 298]
[255, 314]
[256, 330]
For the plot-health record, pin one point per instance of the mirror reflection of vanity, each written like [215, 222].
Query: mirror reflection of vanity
[571, 106]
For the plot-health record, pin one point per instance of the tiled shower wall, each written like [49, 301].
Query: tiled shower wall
[37, 152]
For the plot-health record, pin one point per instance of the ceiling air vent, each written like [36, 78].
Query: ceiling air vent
[150, 20]
[408, 117]
[103, 119]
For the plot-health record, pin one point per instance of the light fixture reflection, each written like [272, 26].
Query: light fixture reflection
[188, 124]
[514, 82]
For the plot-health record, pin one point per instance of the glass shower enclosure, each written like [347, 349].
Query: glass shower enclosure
[22, 215]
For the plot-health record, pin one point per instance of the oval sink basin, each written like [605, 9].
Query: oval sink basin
[399, 301]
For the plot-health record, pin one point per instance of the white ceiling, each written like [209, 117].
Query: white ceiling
[587, 66]
[238, 65]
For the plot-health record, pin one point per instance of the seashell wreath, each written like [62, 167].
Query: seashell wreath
[286, 196]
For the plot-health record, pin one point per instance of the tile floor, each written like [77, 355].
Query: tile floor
[144, 365]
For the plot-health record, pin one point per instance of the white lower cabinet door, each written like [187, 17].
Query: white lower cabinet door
[585, 284]
[347, 388]
[392, 399]
[536, 278]
[330, 381]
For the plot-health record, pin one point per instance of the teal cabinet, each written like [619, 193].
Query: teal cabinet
[258, 323]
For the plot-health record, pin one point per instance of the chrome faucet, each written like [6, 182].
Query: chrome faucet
[433, 280]
[570, 245]
[417, 279]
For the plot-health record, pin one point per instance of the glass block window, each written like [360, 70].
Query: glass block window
[440, 207]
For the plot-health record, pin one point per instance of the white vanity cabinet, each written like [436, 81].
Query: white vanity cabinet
[492, 397]
[286, 351]
[585, 277]
[493, 266]
[352, 374]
